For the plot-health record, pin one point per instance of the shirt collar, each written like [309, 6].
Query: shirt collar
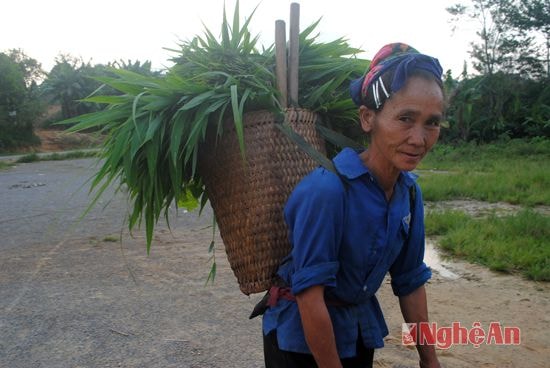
[349, 164]
[408, 178]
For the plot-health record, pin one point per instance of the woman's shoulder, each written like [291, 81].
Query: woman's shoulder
[321, 182]
[321, 191]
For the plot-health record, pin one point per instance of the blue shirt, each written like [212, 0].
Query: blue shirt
[347, 237]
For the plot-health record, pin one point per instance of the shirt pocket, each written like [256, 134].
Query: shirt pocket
[405, 227]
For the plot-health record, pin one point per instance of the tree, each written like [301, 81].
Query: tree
[134, 66]
[488, 107]
[510, 97]
[72, 80]
[504, 45]
[31, 68]
[18, 107]
[66, 84]
[532, 15]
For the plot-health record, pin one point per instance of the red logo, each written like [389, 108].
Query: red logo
[426, 333]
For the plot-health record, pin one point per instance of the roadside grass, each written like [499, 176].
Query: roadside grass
[33, 157]
[515, 243]
[516, 171]
[5, 165]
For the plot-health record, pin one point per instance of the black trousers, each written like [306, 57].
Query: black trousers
[277, 358]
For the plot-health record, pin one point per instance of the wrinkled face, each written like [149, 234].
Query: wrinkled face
[407, 126]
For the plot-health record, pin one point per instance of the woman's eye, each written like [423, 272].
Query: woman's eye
[405, 119]
[434, 122]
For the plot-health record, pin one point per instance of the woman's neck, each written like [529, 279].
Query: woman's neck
[385, 176]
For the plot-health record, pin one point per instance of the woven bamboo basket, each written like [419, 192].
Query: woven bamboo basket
[248, 199]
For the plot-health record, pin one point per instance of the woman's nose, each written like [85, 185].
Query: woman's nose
[417, 135]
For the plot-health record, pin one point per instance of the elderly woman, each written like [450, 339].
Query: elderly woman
[350, 227]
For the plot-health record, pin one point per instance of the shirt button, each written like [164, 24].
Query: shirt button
[365, 288]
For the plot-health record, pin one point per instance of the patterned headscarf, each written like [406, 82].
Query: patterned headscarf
[404, 59]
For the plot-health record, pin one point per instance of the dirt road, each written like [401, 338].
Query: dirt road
[70, 296]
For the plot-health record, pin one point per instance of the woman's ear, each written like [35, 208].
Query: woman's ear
[366, 116]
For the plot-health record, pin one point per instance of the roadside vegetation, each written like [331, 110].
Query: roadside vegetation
[32, 98]
[516, 243]
[514, 171]
[5, 165]
[33, 157]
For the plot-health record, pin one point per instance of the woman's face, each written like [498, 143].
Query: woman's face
[407, 126]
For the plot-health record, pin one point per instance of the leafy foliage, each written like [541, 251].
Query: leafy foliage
[134, 66]
[532, 15]
[156, 125]
[71, 80]
[31, 68]
[504, 44]
[490, 107]
[510, 97]
[19, 104]
[326, 69]
[66, 83]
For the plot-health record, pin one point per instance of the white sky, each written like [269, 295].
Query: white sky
[108, 30]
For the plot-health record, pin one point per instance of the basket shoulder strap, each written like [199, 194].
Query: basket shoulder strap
[317, 156]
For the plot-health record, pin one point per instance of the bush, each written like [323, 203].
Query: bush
[499, 106]
[18, 107]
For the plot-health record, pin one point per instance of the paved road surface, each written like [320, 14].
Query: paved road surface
[42, 203]
[71, 297]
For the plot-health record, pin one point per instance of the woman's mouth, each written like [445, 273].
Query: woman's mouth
[412, 155]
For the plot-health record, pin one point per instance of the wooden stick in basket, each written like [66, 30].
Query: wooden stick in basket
[281, 61]
[293, 53]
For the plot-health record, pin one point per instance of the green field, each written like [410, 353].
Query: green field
[515, 243]
[516, 172]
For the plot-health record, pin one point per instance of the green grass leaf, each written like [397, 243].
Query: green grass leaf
[212, 274]
[238, 119]
[112, 100]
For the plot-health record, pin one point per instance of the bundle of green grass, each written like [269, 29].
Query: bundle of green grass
[156, 125]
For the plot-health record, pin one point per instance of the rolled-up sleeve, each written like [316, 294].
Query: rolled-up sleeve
[315, 217]
[409, 272]
[405, 283]
[321, 274]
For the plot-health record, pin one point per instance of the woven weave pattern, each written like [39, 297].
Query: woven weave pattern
[248, 199]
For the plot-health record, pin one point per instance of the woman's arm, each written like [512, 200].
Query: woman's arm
[318, 327]
[414, 308]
